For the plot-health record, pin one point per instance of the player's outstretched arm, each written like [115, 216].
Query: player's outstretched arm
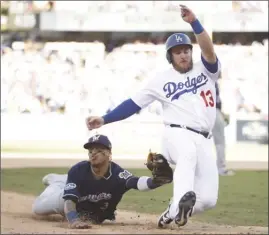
[72, 216]
[127, 108]
[142, 183]
[121, 112]
[202, 37]
[162, 174]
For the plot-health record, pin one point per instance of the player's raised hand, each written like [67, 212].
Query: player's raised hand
[94, 122]
[187, 14]
[78, 224]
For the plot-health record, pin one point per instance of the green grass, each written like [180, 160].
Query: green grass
[243, 198]
[58, 147]
[41, 147]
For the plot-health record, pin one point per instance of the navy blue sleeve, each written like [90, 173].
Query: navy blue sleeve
[212, 68]
[123, 111]
[71, 191]
[131, 183]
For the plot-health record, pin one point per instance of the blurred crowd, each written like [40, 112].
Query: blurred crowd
[149, 6]
[139, 6]
[82, 78]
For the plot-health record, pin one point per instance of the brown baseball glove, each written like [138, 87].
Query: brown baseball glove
[162, 173]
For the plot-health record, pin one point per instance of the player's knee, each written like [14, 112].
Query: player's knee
[209, 202]
[38, 208]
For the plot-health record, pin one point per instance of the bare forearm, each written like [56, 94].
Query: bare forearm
[205, 44]
[204, 41]
[70, 211]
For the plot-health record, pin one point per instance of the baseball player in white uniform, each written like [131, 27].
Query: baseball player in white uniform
[187, 94]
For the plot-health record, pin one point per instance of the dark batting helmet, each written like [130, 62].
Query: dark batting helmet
[174, 40]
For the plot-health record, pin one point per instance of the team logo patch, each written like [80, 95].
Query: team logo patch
[95, 138]
[70, 186]
[178, 38]
[125, 174]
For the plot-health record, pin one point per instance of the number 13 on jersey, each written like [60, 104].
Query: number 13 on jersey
[208, 98]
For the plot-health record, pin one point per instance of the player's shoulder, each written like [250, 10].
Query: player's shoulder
[198, 65]
[120, 172]
[156, 78]
[79, 166]
[162, 74]
[116, 168]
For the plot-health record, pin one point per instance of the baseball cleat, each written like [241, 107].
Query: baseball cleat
[185, 205]
[50, 178]
[164, 219]
[47, 179]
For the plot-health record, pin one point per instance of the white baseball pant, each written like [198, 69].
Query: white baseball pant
[50, 201]
[196, 168]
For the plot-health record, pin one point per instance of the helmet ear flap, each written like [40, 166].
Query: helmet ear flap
[169, 57]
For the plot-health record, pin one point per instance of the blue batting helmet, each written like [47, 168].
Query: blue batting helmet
[174, 40]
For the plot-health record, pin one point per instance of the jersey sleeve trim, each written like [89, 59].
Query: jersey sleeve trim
[70, 196]
[131, 183]
[212, 68]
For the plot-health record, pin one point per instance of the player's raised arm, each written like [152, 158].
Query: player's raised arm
[202, 37]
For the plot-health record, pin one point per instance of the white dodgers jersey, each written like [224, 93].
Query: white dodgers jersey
[187, 99]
